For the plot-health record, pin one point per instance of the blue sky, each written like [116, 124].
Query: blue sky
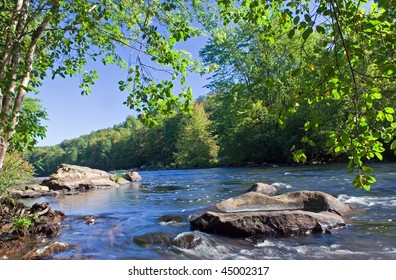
[72, 115]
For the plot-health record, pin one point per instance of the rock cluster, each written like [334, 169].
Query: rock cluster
[73, 177]
[20, 223]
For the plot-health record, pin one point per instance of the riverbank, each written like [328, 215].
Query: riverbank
[23, 229]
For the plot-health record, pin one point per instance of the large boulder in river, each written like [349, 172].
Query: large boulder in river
[256, 214]
[313, 201]
[72, 177]
[267, 223]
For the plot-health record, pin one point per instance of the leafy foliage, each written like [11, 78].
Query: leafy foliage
[16, 170]
[350, 65]
[29, 127]
[196, 146]
[59, 37]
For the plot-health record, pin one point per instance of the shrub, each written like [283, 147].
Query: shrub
[16, 170]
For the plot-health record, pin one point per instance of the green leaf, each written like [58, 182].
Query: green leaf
[367, 170]
[336, 94]
[380, 116]
[307, 33]
[367, 187]
[393, 145]
[291, 33]
[320, 29]
[299, 156]
[389, 110]
[389, 117]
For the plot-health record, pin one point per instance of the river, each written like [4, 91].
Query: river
[133, 222]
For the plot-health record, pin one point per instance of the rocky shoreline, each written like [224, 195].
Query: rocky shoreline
[71, 180]
[24, 230]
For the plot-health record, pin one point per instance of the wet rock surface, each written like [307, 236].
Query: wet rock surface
[152, 238]
[42, 252]
[21, 225]
[188, 240]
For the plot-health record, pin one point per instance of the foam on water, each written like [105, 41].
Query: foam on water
[369, 201]
[282, 186]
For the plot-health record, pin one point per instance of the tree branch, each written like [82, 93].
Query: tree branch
[344, 45]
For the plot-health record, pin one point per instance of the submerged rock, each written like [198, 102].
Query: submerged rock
[72, 177]
[257, 214]
[187, 240]
[152, 238]
[46, 251]
[171, 219]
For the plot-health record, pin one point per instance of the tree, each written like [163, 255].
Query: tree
[29, 126]
[354, 57]
[196, 146]
[38, 37]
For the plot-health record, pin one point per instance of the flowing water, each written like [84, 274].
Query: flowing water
[145, 220]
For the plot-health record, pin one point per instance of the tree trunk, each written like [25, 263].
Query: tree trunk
[16, 57]
[3, 149]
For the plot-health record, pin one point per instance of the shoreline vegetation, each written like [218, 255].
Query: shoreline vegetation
[26, 232]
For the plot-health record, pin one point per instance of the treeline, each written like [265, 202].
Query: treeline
[177, 141]
[254, 114]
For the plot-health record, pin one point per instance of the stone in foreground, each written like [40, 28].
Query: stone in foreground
[73, 177]
[255, 215]
[271, 223]
[313, 201]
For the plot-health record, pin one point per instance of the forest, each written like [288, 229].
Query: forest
[291, 81]
[239, 123]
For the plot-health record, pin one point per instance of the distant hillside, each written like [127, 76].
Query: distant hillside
[177, 141]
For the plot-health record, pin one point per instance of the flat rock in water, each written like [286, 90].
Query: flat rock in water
[313, 201]
[72, 177]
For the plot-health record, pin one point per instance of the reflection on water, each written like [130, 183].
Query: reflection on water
[148, 220]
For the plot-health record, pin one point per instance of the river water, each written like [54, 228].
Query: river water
[133, 222]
